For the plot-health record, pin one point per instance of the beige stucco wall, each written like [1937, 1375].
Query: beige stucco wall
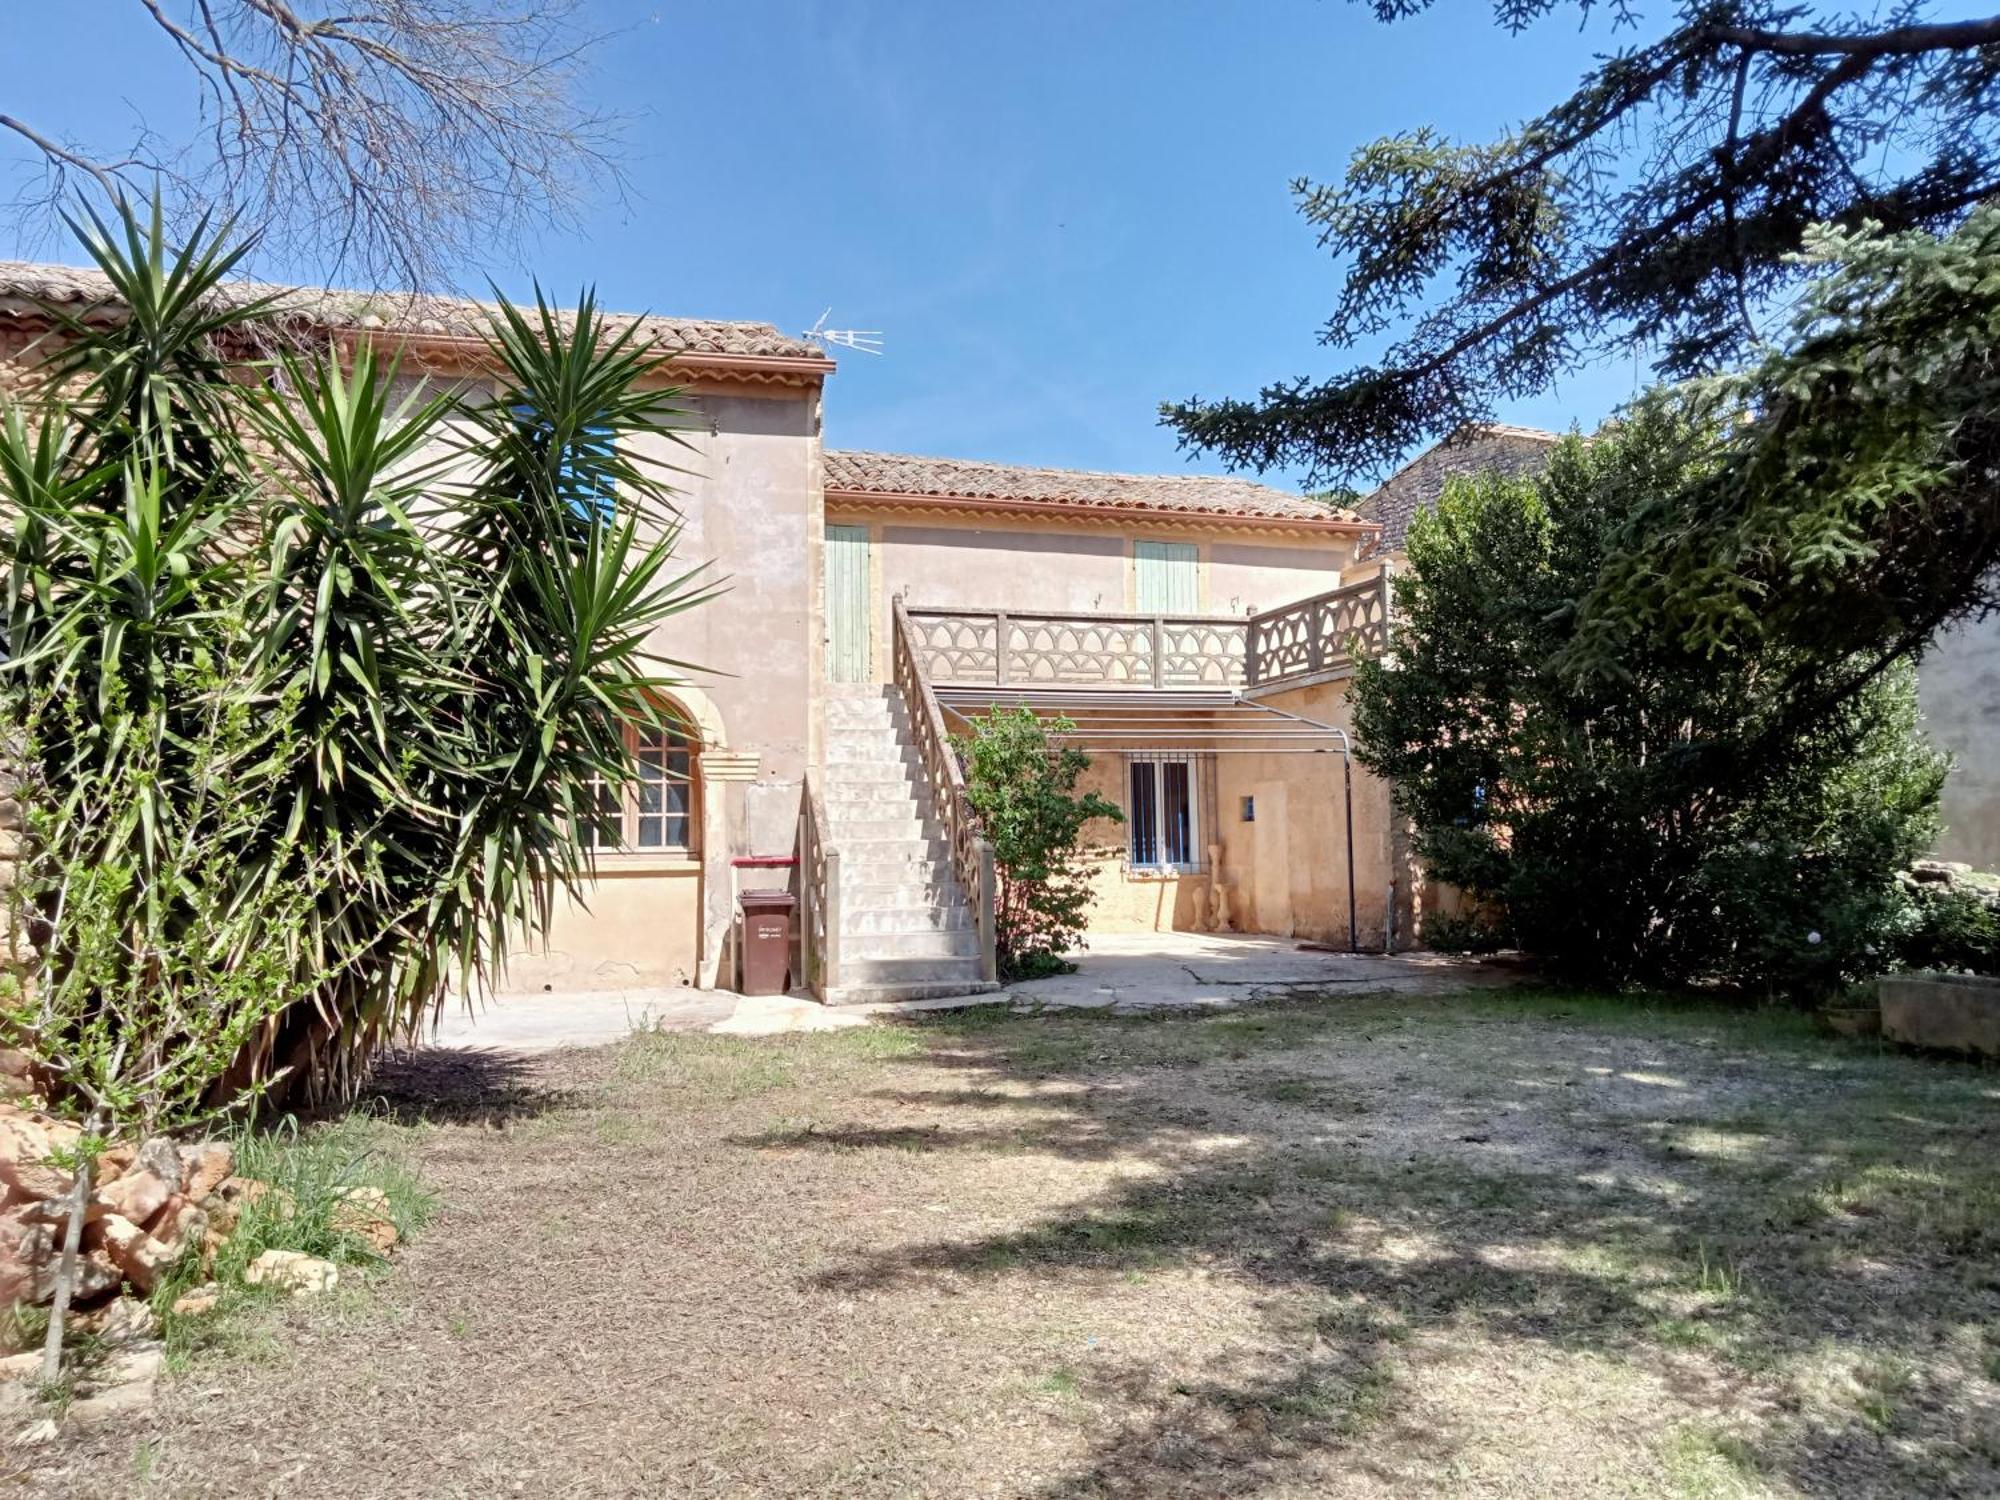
[637, 932]
[1958, 686]
[1286, 869]
[750, 509]
[1294, 855]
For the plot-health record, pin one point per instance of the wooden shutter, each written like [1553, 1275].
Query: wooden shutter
[847, 603]
[1166, 577]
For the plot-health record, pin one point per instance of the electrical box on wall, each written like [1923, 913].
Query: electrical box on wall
[1249, 809]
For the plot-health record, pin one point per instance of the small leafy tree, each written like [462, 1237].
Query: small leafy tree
[1022, 783]
[163, 976]
[1666, 821]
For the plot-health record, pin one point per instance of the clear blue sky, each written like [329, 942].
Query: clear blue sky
[1058, 214]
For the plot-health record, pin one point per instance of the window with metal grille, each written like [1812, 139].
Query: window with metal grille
[1161, 819]
[654, 812]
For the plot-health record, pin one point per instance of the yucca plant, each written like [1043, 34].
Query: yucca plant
[457, 602]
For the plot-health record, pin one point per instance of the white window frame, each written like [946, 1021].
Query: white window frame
[1153, 761]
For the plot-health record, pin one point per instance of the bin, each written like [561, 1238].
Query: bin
[767, 941]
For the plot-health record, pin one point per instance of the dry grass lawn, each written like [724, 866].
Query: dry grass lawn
[1491, 1245]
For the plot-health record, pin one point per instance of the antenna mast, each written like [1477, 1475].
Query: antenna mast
[861, 340]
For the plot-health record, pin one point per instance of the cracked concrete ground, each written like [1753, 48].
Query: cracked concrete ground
[1178, 970]
[1150, 971]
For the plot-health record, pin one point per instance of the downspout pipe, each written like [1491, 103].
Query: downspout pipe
[1347, 800]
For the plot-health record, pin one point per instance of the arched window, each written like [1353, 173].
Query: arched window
[654, 812]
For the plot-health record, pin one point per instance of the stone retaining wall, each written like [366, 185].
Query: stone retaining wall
[1950, 1012]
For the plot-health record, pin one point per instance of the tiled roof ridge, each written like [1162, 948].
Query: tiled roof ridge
[1414, 487]
[872, 471]
[401, 311]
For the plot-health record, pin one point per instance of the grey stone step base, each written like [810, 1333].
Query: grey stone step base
[869, 946]
[887, 993]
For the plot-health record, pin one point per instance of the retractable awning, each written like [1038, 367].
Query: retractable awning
[1213, 720]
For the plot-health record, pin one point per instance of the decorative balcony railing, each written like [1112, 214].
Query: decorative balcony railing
[1329, 632]
[1008, 648]
[1037, 648]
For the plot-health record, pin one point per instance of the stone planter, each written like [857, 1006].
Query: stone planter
[1951, 1012]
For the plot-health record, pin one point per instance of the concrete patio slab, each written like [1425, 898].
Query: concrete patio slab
[546, 1020]
[1153, 971]
[1179, 970]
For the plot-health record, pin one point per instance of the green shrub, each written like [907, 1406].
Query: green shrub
[1023, 786]
[1950, 927]
[453, 679]
[1664, 820]
[1464, 932]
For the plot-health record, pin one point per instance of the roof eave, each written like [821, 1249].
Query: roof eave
[461, 350]
[1076, 510]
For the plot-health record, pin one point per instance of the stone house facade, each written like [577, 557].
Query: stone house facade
[1199, 632]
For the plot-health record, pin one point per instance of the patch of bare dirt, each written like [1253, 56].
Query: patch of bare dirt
[1518, 1246]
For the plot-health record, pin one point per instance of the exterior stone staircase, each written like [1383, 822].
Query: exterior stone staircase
[906, 929]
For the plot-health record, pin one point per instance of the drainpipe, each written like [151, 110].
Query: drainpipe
[1353, 897]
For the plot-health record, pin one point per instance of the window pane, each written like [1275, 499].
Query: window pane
[652, 833]
[677, 832]
[1143, 814]
[1177, 823]
[598, 827]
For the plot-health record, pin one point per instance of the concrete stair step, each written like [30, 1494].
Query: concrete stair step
[847, 831]
[862, 947]
[847, 795]
[962, 971]
[859, 921]
[851, 715]
[849, 814]
[882, 866]
[857, 855]
[890, 992]
[869, 753]
[912, 886]
[900, 771]
[900, 890]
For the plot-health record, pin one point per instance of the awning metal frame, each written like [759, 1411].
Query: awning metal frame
[1120, 721]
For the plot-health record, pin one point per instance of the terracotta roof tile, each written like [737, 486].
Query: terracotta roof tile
[1488, 448]
[400, 312]
[858, 473]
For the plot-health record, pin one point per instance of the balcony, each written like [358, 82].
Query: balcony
[1318, 637]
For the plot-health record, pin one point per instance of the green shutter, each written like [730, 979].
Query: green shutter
[1166, 577]
[847, 603]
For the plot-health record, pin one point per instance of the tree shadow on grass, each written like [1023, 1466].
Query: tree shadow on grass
[1564, 1227]
[465, 1086]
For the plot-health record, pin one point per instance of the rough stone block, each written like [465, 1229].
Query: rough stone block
[1951, 1012]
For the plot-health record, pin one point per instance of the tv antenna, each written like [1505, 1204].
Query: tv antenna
[862, 340]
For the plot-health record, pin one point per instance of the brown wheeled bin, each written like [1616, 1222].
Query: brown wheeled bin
[767, 941]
